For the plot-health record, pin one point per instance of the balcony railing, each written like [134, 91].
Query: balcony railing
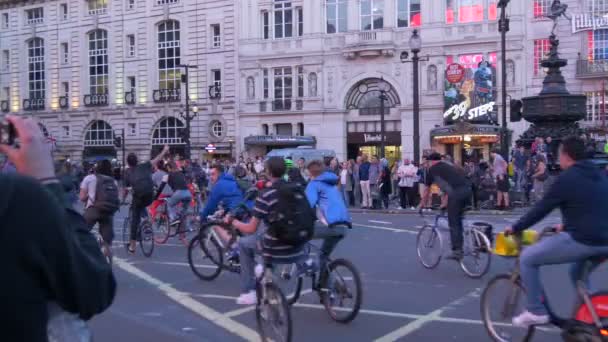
[96, 100]
[33, 104]
[130, 97]
[592, 68]
[279, 105]
[166, 95]
[63, 102]
[4, 106]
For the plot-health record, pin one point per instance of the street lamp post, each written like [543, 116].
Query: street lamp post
[187, 117]
[384, 87]
[415, 45]
[503, 28]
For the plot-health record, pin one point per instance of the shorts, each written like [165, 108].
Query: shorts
[503, 185]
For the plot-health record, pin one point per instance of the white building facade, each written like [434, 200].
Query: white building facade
[310, 70]
[88, 69]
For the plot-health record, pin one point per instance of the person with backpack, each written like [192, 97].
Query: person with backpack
[99, 192]
[139, 179]
[288, 225]
[332, 212]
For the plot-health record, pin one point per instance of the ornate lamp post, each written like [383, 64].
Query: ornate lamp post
[415, 45]
[186, 116]
[503, 28]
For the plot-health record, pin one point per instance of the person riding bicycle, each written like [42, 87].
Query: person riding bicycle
[265, 204]
[157, 178]
[580, 194]
[139, 178]
[453, 182]
[177, 181]
[225, 191]
[333, 216]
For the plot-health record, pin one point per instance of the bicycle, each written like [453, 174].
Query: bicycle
[144, 234]
[477, 249]
[588, 322]
[272, 310]
[332, 286]
[106, 251]
[163, 230]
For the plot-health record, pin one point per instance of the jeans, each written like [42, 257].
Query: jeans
[539, 190]
[407, 196]
[345, 195]
[366, 194]
[178, 196]
[558, 249]
[457, 201]
[106, 226]
[520, 175]
[138, 210]
[331, 237]
[249, 245]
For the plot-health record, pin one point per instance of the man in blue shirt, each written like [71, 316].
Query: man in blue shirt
[580, 194]
[366, 196]
[323, 194]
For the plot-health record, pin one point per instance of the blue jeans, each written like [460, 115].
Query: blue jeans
[558, 249]
[183, 196]
[249, 246]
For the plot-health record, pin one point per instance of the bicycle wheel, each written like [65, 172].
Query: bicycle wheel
[126, 233]
[341, 287]
[205, 256]
[146, 238]
[289, 281]
[501, 300]
[272, 313]
[477, 254]
[161, 229]
[429, 246]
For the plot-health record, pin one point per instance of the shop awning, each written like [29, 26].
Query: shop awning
[463, 131]
[280, 140]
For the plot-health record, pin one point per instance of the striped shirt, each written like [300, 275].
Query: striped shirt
[271, 246]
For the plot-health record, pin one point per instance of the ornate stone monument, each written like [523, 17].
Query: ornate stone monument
[554, 112]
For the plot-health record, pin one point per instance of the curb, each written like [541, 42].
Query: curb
[415, 212]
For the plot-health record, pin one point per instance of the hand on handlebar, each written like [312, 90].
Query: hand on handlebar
[228, 219]
[509, 231]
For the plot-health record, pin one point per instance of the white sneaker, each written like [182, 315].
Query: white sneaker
[249, 298]
[526, 319]
[413, 208]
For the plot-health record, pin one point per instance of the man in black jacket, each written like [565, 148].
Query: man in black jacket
[49, 256]
[580, 194]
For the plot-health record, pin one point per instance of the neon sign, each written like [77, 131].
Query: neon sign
[461, 110]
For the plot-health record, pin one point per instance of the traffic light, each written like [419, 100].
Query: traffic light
[516, 106]
[118, 142]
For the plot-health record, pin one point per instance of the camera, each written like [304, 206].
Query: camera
[7, 133]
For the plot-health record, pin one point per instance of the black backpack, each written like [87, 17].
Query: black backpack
[106, 195]
[292, 220]
[143, 186]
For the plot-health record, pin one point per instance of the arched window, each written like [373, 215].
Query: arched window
[99, 133]
[217, 129]
[167, 132]
[169, 74]
[98, 62]
[36, 76]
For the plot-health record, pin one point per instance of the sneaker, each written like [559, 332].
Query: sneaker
[174, 222]
[413, 208]
[526, 319]
[233, 255]
[249, 298]
[456, 255]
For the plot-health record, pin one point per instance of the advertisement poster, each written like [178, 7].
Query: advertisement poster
[470, 90]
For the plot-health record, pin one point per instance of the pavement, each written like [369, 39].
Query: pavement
[160, 299]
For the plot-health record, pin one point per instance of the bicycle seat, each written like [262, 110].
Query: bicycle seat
[341, 224]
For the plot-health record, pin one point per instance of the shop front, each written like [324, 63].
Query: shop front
[359, 143]
[465, 141]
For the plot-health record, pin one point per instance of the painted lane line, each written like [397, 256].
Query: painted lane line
[428, 318]
[184, 264]
[380, 222]
[188, 302]
[394, 230]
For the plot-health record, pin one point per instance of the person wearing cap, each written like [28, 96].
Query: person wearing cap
[453, 182]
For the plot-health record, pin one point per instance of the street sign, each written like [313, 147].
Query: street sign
[210, 148]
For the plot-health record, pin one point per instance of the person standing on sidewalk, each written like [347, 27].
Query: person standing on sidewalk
[366, 199]
[520, 159]
[375, 172]
[357, 181]
[385, 185]
[346, 182]
[499, 169]
[407, 175]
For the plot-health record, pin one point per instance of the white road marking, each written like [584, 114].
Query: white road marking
[394, 230]
[188, 302]
[380, 222]
[185, 264]
[419, 322]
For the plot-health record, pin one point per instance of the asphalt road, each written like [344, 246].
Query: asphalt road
[159, 299]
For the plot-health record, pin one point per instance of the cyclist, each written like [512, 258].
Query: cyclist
[139, 178]
[248, 245]
[157, 178]
[323, 194]
[226, 191]
[177, 181]
[580, 193]
[453, 182]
